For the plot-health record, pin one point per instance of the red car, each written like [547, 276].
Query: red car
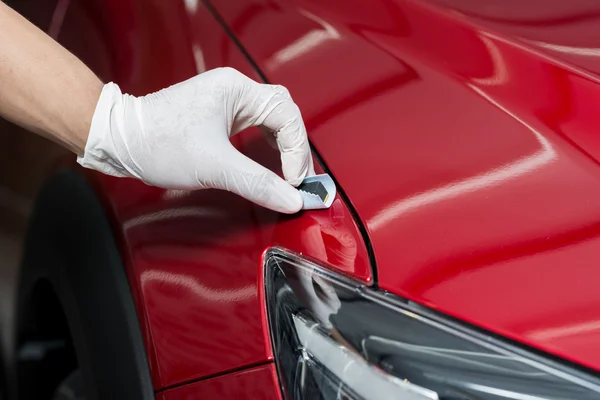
[460, 258]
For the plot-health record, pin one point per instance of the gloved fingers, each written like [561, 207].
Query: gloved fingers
[247, 178]
[282, 116]
[282, 90]
[268, 134]
[270, 137]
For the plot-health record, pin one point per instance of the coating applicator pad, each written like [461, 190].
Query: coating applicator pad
[317, 192]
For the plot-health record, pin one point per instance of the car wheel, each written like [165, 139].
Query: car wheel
[77, 323]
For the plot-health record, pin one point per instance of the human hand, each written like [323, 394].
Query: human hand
[178, 138]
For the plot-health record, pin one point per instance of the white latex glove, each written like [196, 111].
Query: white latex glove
[178, 138]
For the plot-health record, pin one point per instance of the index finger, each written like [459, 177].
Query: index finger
[283, 117]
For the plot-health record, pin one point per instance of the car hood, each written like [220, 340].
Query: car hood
[465, 145]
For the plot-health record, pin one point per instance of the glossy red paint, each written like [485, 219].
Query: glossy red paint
[193, 258]
[259, 383]
[464, 133]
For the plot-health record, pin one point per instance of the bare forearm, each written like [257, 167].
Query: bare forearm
[43, 87]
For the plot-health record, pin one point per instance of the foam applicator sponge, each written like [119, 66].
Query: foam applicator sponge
[317, 192]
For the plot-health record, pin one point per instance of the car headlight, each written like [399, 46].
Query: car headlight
[334, 338]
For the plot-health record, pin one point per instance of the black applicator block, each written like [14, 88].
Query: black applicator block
[315, 188]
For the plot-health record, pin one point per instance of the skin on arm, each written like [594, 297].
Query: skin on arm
[43, 87]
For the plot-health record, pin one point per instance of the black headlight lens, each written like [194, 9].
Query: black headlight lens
[337, 339]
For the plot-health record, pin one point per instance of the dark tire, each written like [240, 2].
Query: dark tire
[71, 388]
[75, 310]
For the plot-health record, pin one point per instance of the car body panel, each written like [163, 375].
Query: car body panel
[467, 152]
[259, 383]
[194, 260]
[193, 257]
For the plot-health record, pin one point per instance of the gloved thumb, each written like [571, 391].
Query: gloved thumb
[247, 178]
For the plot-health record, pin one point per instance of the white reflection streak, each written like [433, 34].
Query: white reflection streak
[191, 6]
[58, 17]
[505, 394]
[172, 213]
[572, 330]
[194, 286]
[579, 51]
[500, 75]
[354, 371]
[173, 194]
[487, 179]
[477, 360]
[198, 58]
[306, 42]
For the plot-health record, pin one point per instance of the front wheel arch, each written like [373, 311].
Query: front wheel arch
[70, 245]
